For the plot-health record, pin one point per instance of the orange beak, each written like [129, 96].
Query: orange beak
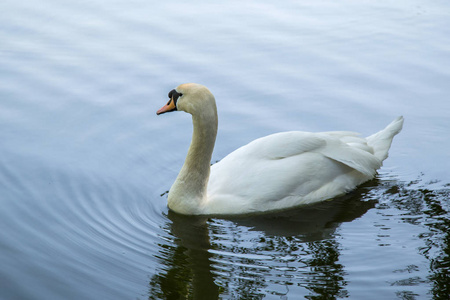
[170, 106]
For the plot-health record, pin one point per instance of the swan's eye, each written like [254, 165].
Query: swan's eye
[174, 95]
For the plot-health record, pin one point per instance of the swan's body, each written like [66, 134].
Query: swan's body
[275, 172]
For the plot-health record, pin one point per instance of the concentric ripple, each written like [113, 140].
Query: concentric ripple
[73, 226]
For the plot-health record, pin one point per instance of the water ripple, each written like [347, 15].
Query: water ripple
[84, 160]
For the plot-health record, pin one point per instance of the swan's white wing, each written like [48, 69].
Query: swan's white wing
[281, 145]
[350, 150]
[288, 169]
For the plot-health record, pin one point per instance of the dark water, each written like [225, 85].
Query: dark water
[84, 159]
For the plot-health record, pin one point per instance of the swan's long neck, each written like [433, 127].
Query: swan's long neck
[188, 193]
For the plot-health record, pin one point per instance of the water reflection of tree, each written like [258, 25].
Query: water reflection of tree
[246, 258]
[326, 269]
[432, 208]
[187, 269]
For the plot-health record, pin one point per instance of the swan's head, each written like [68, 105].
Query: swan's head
[190, 97]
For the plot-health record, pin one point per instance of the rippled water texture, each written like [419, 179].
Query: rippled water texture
[85, 162]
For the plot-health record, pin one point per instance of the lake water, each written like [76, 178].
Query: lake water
[85, 162]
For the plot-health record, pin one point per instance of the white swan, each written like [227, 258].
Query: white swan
[275, 172]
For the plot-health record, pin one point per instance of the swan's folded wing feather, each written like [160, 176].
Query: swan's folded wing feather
[342, 146]
[267, 157]
[285, 144]
[353, 156]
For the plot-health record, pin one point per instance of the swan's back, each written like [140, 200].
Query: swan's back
[293, 168]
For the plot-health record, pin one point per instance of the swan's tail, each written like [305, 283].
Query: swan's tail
[381, 141]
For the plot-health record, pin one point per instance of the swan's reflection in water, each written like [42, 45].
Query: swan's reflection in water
[251, 257]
